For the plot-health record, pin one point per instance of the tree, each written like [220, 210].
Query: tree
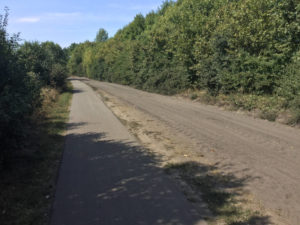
[19, 92]
[102, 35]
[41, 59]
[222, 46]
[133, 29]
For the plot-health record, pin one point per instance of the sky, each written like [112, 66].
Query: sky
[65, 21]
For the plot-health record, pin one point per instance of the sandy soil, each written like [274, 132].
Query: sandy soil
[262, 154]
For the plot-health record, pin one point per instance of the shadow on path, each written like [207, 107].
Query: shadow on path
[108, 182]
[222, 192]
[104, 181]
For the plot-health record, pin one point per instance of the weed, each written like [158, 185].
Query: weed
[193, 96]
[27, 188]
[295, 118]
[269, 114]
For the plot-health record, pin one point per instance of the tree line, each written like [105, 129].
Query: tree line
[25, 69]
[221, 46]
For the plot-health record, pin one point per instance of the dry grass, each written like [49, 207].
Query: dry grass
[27, 188]
[272, 108]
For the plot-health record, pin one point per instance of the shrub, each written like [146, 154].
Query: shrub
[58, 75]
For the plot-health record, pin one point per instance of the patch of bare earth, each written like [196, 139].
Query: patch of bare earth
[200, 179]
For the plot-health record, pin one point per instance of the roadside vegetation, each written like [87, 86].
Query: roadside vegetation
[34, 103]
[26, 70]
[245, 51]
[27, 187]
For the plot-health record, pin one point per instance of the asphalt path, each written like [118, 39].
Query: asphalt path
[107, 178]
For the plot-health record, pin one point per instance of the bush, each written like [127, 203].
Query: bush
[245, 47]
[23, 71]
[58, 75]
[289, 85]
[47, 60]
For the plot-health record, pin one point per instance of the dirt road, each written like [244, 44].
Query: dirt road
[265, 154]
[107, 178]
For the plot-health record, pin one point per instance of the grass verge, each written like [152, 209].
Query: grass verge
[272, 108]
[27, 186]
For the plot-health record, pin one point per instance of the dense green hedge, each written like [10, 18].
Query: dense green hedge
[223, 46]
[24, 70]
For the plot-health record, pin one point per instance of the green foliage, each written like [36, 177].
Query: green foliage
[19, 92]
[101, 36]
[23, 71]
[58, 75]
[74, 65]
[289, 85]
[132, 30]
[222, 46]
[32, 172]
[67, 51]
[41, 59]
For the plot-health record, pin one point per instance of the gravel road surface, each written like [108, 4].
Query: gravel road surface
[265, 154]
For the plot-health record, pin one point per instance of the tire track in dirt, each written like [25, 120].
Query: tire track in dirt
[267, 152]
